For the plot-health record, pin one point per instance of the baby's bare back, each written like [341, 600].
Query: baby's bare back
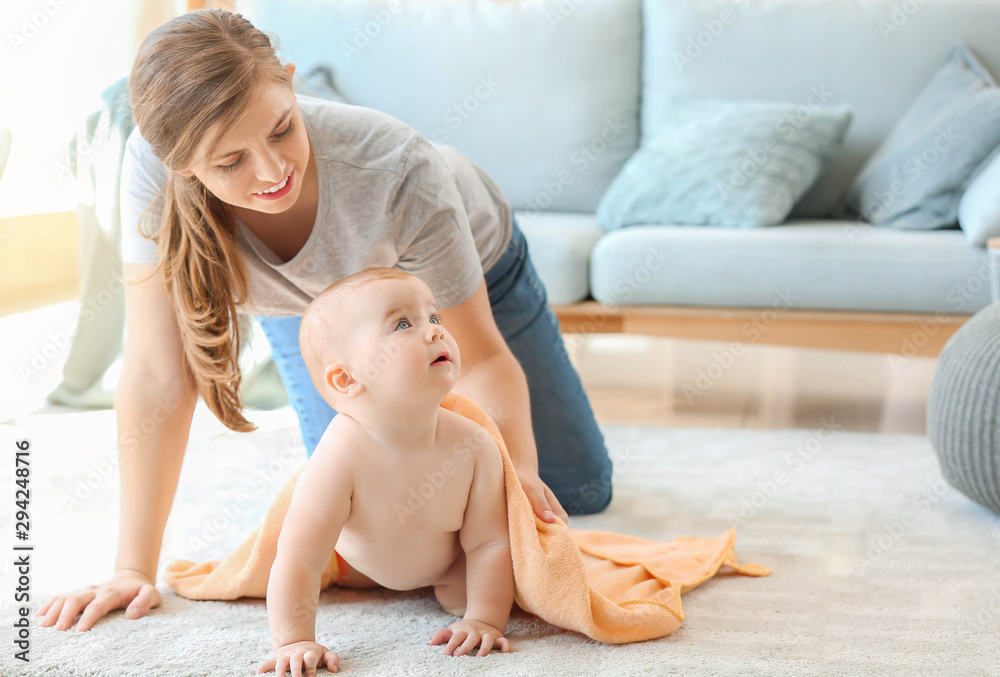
[408, 505]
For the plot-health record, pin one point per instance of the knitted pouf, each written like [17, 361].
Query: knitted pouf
[962, 409]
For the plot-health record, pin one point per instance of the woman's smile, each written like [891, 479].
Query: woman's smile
[279, 190]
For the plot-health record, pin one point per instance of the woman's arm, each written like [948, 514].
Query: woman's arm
[492, 378]
[154, 401]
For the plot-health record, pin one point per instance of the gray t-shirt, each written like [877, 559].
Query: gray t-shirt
[387, 197]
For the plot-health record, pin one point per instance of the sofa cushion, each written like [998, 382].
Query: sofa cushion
[559, 244]
[915, 178]
[873, 55]
[806, 264]
[543, 94]
[717, 162]
[979, 208]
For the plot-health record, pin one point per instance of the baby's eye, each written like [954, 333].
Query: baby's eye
[435, 319]
[406, 322]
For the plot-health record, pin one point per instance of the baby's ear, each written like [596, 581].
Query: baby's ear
[342, 383]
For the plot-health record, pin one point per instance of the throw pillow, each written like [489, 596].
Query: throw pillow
[915, 178]
[979, 207]
[740, 164]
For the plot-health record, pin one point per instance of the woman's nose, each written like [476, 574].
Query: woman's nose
[271, 168]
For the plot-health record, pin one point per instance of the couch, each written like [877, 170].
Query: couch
[553, 96]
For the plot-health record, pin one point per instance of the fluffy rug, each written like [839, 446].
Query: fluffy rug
[879, 567]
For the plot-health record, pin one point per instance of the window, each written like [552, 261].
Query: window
[56, 57]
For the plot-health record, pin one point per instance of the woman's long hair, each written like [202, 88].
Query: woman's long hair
[199, 69]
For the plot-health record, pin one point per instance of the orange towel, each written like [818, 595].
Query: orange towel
[611, 587]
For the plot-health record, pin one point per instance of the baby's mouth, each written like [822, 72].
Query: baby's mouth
[443, 357]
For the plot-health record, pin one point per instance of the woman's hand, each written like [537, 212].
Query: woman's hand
[544, 502]
[469, 634]
[291, 658]
[126, 587]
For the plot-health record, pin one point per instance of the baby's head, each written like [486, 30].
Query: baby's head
[375, 335]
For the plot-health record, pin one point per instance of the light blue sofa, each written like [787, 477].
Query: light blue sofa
[553, 96]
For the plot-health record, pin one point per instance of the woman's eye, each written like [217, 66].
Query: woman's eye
[406, 322]
[288, 130]
[233, 166]
[278, 137]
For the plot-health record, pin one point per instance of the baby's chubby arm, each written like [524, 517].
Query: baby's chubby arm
[486, 542]
[319, 507]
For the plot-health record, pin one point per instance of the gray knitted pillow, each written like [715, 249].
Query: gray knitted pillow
[962, 409]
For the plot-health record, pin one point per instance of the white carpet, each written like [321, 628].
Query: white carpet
[879, 568]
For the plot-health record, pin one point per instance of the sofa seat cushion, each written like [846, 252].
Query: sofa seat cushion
[806, 264]
[559, 244]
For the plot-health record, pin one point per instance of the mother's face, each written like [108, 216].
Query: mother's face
[268, 148]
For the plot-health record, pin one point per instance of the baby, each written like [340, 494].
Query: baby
[377, 352]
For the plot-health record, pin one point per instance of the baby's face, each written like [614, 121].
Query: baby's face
[401, 349]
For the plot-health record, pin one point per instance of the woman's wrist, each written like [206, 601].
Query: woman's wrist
[526, 471]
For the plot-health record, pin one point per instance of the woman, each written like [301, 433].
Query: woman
[268, 199]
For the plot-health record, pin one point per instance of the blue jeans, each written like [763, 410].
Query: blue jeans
[572, 457]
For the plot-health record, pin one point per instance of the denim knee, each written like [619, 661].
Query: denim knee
[588, 502]
[585, 493]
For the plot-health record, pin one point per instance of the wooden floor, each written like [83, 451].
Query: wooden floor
[644, 380]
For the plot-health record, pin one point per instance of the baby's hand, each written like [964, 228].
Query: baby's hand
[290, 657]
[474, 633]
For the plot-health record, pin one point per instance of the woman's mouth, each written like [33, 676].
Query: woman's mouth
[279, 190]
